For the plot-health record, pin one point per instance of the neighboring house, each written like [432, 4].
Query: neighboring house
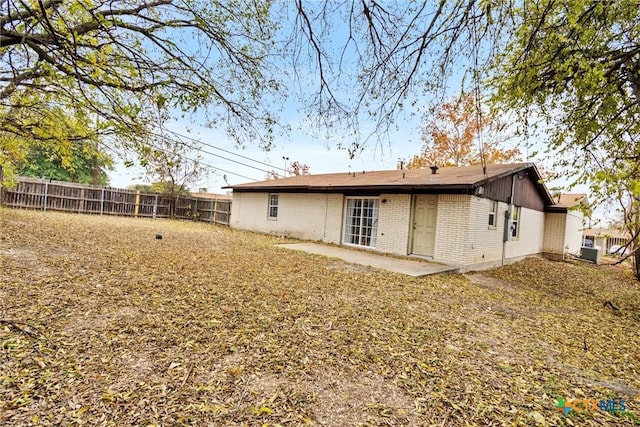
[462, 216]
[604, 238]
[214, 196]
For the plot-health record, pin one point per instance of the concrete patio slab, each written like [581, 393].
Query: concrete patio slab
[417, 268]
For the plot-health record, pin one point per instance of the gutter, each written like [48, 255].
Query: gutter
[341, 189]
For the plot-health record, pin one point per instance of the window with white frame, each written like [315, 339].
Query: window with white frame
[360, 221]
[273, 206]
[515, 221]
[493, 210]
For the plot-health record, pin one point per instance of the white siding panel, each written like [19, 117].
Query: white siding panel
[563, 231]
[530, 238]
[573, 231]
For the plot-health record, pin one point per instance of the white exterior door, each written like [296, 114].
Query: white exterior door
[425, 209]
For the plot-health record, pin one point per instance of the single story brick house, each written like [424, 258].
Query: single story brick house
[470, 217]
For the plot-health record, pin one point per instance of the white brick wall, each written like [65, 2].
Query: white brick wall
[554, 232]
[300, 215]
[563, 231]
[333, 225]
[463, 235]
[452, 226]
[485, 241]
[394, 219]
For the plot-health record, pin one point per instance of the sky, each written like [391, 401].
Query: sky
[322, 156]
[298, 145]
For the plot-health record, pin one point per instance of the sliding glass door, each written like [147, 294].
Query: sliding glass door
[360, 221]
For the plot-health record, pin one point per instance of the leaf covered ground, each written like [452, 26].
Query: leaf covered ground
[101, 324]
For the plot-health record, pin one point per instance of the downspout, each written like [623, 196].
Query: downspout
[326, 214]
[507, 219]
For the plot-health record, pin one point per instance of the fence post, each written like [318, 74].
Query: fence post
[82, 203]
[137, 207]
[195, 210]
[102, 201]
[213, 208]
[46, 193]
[155, 207]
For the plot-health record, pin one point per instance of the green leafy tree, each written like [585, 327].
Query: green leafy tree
[143, 188]
[575, 66]
[87, 165]
[114, 59]
[61, 138]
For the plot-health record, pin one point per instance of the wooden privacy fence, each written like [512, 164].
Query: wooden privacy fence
[33, 193]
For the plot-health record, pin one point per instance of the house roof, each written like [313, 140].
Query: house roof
[570, 200]
[567, 201]
[606, 232]
[464, 179]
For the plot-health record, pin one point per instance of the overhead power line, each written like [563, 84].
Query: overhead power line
[224, 150]
[217, 155]
[202, 163]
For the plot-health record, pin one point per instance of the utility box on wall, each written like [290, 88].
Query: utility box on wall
[590, 254]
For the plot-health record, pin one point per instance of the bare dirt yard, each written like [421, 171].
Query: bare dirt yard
[102, 324]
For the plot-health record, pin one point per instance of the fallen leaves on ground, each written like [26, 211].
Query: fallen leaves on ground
[102, 324]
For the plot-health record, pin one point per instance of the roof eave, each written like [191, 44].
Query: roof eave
[352, 188]
[554, 208]
[509, 172]
[404, 188]
[537, 180]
